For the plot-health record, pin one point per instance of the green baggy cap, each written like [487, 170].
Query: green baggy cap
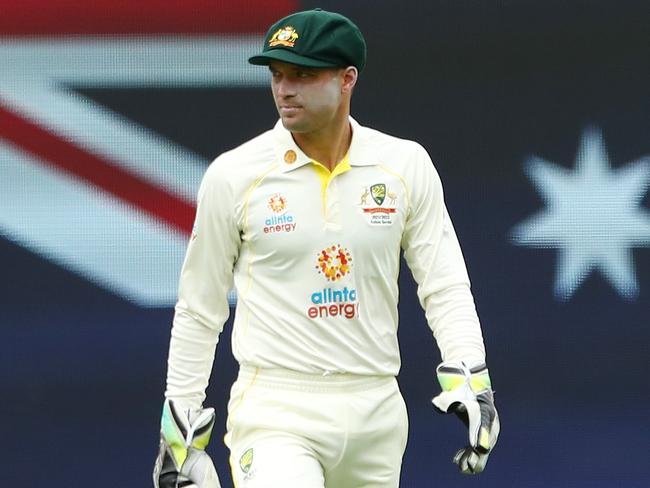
[314, 38]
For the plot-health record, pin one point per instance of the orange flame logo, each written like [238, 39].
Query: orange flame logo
[277, 203]
[334, 262]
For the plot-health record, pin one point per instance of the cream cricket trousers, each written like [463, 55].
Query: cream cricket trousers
[290, 430]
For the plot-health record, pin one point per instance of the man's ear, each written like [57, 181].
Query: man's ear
[350, 76]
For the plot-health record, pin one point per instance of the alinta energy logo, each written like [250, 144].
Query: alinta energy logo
[334, 263]
[277, 203]
[280, 220]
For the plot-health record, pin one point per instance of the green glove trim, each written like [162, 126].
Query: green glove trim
[173, 434]
[451, 377]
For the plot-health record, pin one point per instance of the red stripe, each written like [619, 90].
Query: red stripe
[61, 17]
[64, 155]
[379, 210]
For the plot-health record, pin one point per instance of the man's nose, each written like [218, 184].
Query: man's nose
[285, 88]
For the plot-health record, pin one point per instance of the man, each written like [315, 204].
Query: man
[307, 220]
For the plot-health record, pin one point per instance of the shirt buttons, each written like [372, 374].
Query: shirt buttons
[290, 156]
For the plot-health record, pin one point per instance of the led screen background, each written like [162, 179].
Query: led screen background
[107, 122]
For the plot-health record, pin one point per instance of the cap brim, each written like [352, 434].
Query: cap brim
[265, 58]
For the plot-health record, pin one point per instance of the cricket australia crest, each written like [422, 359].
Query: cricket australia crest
[379, 204]
[378, 193]
[246, 461]
[246, 464]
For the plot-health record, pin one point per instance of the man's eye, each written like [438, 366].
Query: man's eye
[303, 74]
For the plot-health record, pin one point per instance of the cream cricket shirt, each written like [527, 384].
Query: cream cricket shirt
[314, 257]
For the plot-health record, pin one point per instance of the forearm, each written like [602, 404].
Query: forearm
[191, 355]
[202, 307]
[452, 316]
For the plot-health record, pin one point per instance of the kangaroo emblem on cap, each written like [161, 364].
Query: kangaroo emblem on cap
[284, 37]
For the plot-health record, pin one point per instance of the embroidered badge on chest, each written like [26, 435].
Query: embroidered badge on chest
[378, 203]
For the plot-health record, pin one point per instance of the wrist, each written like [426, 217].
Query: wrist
[454, 374]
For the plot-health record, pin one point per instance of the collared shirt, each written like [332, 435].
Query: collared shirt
[314, 256]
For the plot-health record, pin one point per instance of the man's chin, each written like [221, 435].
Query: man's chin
[293, 124]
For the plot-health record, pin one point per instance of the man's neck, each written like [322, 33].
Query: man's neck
[327, 146]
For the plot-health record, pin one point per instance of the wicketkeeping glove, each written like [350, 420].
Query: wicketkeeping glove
[182, 460]
[467, 392]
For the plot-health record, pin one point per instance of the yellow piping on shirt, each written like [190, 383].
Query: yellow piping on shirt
[247, 197]
[406, 192]
[406, 189]
[249, 268]
[326, 176]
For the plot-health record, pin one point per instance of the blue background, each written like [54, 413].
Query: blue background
[483, 86]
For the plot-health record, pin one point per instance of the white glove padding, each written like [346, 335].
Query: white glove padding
[467, 392]
[182, 460]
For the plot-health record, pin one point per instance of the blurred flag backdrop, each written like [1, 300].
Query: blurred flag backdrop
[537, 116]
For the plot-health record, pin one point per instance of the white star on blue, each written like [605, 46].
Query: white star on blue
[593, 216]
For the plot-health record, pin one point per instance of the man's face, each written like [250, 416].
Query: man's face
[307, 99]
